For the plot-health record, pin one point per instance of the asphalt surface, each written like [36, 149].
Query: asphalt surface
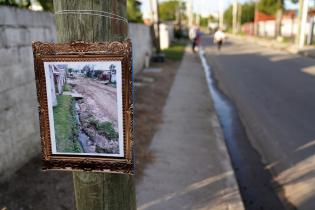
[252, 177]
[274, 93]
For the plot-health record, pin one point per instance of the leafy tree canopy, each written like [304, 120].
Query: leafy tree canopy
[268, 6]
[168, 9]
[16, 3]
[228, 16]
[271, 6]
[248, 12]
[204, 21]
[133, 11]
[47, 5]
[247, 15]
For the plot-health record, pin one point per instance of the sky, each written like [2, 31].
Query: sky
[207, 7]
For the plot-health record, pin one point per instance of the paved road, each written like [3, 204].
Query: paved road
[275, 95]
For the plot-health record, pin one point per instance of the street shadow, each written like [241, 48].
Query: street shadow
[30, 188]
[201, 192]
[274, 93]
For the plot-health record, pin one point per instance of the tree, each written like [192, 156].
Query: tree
[168, 10]
[16, 3]
[46, 4]
[213, 19]
[228, 16]
[273, 7]
[247, 15]
[248, 12]
[133, 11]
[267, 6]
[204, 21]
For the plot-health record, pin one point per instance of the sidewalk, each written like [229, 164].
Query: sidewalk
[191, 168]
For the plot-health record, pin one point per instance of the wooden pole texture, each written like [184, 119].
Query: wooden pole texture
[96, 191]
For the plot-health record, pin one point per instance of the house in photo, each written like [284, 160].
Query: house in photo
[112, 69]
[101, 74]
[57, 75]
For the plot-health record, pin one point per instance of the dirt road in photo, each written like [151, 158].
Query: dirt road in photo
[101, 99]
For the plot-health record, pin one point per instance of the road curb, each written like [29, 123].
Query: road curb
[221, 141]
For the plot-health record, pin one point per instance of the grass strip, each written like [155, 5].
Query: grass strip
[175, 51]
[66, 126]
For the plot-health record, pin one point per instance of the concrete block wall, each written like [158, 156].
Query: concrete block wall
[19, 127]
[141, 43]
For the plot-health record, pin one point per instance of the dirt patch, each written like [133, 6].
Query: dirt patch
[150, 99]
[32, 189]
[101, 97]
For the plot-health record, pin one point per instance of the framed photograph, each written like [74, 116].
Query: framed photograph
[85, 105]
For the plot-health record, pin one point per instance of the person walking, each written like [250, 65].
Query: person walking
[194, 35]
[219, 37]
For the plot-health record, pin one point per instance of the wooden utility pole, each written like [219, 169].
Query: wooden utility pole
[234, 15]
[239, 17]
[256, 29]
[96, 21]
[221, 14]
[279, 15]
[189, 13]
[180, 4]
[157, 25]
[302, 19]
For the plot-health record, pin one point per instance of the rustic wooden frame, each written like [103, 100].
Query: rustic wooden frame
[83, 51]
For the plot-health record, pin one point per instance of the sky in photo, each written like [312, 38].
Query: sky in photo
[97, 65]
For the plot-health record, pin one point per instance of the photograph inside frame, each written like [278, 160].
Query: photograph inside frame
[85, 107]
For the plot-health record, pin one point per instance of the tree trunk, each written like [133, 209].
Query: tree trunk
[234, 14]
[96, 191]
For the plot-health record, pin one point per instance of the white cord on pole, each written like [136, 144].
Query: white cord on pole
[93, 13]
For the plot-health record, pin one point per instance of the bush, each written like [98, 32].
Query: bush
[104, 128]
[107, 129]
